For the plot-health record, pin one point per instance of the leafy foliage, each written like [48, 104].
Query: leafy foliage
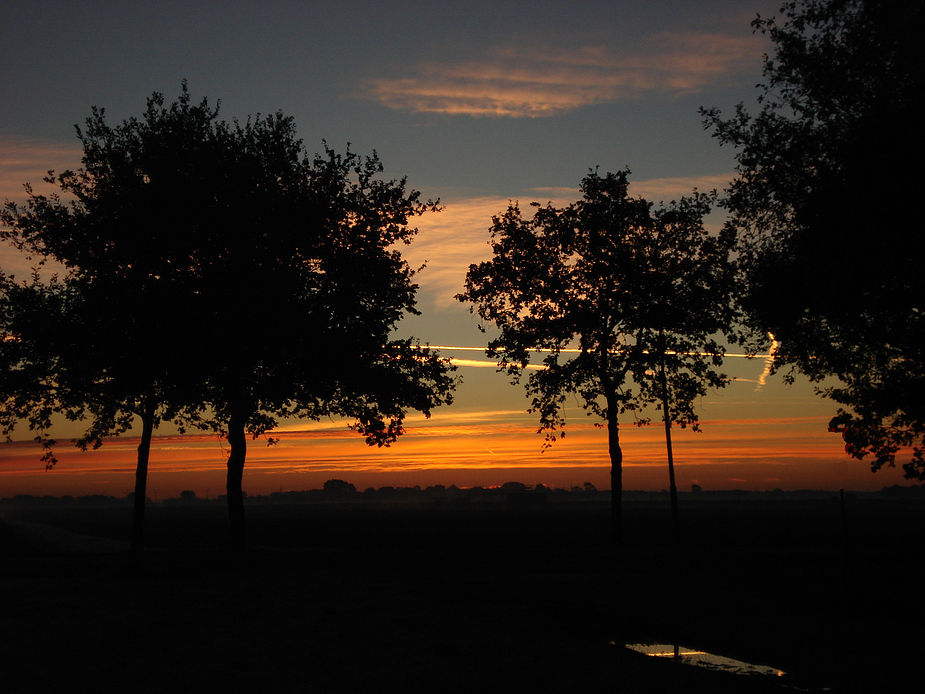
[627, 286]
[28, 387]
[102, 342]
[229, 279]
[631, 289]
[831, 248]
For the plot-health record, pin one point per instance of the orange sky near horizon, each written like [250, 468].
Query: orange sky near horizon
[759, 434]
[788, 453]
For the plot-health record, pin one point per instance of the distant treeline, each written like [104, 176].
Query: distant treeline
[510, 493]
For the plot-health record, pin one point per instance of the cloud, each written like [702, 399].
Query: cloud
[655, 189]
[28, 161]
[533, 83]
[665, 189]
[450, 241]
[474, 449]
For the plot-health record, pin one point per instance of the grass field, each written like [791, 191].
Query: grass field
[377, 598]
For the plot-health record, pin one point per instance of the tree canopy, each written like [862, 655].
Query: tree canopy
[831, 248]
[626, 288]
[245, 279]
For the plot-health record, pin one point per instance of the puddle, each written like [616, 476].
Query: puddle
[710, 661]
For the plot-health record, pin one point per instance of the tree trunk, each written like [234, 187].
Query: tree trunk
[616, 475]
[141, 484]
[672, 487]
[237, 440]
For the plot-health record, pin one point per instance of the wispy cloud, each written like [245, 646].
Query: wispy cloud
[655, 190]
[467, 451]
[449, 242]
[458, 236]
[531, 82]
[28, 161]
[665, 189]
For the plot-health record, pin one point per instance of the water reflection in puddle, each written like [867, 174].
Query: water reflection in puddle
[710, 661]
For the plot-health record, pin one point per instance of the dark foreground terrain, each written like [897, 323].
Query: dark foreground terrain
[376, 598]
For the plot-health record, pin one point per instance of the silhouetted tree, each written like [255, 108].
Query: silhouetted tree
[102, 343]
[122, 335]
[228, 268]
[66, 349]
[32, 317]
[832, 249]
[313, 255]
[338, 487]
[630, 288]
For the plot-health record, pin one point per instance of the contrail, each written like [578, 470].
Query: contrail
[484, 363]
[768, 363]
[570, 350]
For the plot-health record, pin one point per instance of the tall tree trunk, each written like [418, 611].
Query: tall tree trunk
[616, 475]
[237, 440]
[672, 487]
[141, 485]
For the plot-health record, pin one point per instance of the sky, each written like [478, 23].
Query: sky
[478, 104]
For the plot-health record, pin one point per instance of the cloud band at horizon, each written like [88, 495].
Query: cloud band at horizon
[468, 448]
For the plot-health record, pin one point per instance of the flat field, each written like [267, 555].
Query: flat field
[363, 597]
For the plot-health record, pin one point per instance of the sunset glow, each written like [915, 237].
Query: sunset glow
[483, 450]
[479, 109]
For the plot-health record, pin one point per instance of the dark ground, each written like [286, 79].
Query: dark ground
[363, 598]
